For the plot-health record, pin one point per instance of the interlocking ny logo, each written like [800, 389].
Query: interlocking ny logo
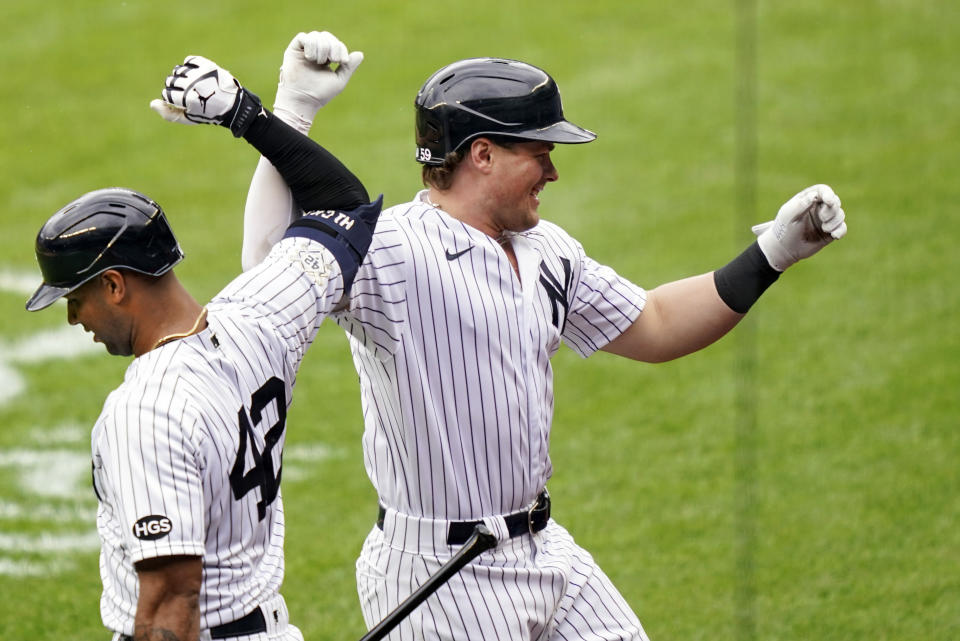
[557, 292]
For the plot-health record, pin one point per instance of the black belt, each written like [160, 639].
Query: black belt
[249, 624]
[252, 623]
[524, 522]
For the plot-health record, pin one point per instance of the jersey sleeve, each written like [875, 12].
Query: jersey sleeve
[151, 471]
[376, 311]
[290, 293]
[603, 305]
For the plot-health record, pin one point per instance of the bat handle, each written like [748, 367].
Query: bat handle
[480, 541]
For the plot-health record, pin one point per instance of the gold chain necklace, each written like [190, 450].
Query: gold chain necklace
[172, 337]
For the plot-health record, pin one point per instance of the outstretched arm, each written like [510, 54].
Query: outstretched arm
[678, 318]
[199, 91]
[687, 315]
[316, 177]
[316, 68]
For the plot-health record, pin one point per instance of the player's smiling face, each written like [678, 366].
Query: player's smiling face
[521, 171]
[88, 307]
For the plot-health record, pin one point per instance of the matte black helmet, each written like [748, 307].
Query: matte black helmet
[489, 96]
[105, 229]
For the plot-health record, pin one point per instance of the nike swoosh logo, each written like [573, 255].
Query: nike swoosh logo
[454, 256]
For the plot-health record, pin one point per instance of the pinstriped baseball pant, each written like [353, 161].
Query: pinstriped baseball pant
[532, 588]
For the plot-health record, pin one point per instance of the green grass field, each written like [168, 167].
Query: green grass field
[798, 480]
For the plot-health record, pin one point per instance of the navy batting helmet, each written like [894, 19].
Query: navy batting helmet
[489, 96]
[105, 229]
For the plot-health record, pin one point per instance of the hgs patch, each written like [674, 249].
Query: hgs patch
[153, 527]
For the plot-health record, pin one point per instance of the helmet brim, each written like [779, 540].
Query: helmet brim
[45, 296]
[562, 132]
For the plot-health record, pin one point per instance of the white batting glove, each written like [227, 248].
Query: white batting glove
[308, 80]
[804, 225]
[201, 92]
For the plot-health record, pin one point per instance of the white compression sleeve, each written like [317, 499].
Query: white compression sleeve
[268, 212]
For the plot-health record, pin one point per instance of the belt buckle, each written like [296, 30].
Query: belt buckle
[536, 504]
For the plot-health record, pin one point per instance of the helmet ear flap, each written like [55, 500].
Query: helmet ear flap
[430, 138]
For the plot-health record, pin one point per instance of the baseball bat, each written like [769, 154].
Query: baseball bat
[481, 540]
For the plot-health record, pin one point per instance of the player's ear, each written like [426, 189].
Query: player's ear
[481, 153]
[113, 284]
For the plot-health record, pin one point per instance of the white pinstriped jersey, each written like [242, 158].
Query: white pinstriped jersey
[453, 352]
[187, 451]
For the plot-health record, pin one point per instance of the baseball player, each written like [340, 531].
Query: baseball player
[187, 452]
[461, 301]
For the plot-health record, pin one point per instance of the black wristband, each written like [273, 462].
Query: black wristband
[741, 281]
[245, 109]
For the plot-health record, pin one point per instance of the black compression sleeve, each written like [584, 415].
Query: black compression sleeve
[741, 281]
[316, 177]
